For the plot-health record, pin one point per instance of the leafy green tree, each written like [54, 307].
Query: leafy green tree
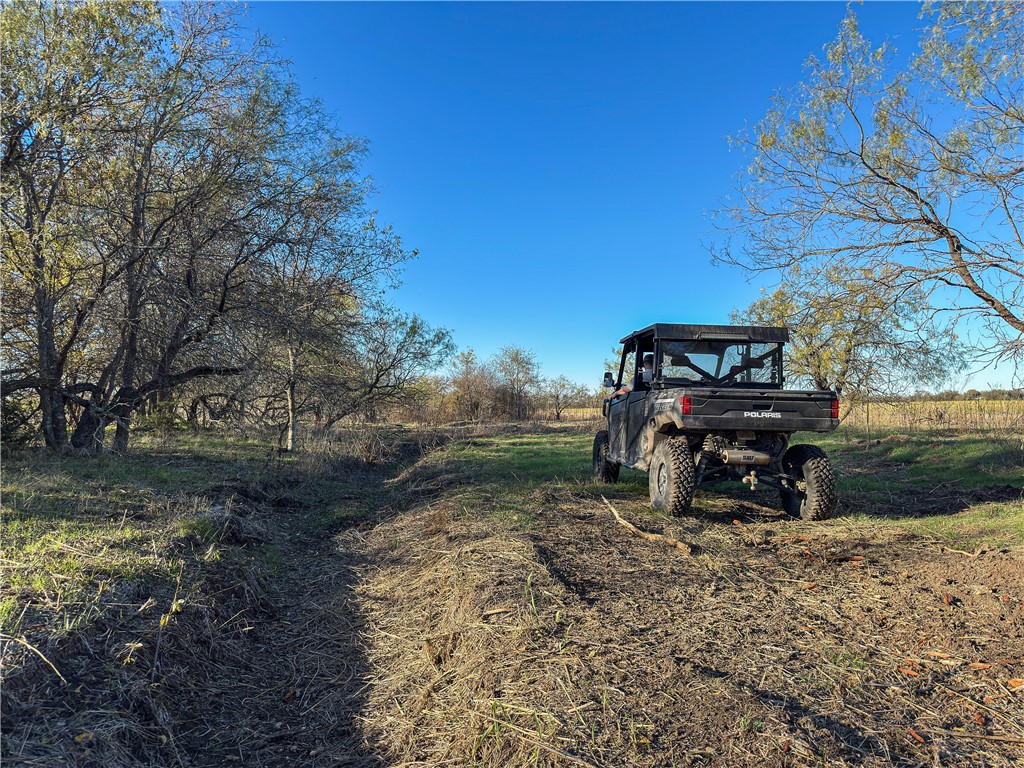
[172, 207]
[852, 340]
[907, 178]
[69, 71]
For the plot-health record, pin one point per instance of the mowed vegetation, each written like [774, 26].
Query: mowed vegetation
[776, 641]
[112, 559]
[878, 479]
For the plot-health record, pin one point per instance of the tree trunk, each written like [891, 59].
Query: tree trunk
[54, 424]
[131, 354]
[292, 415]
[89, 434]
[54, 418]
[123, 432]
[134, 287]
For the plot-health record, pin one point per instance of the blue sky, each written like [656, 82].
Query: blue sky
[555, 163]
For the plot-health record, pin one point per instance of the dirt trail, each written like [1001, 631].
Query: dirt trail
[782, 642]
[439, 637]
[262, 664]
[293, 696]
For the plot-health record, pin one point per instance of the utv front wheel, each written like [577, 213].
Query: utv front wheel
[811, 495]
[605, 471]
[673, 476]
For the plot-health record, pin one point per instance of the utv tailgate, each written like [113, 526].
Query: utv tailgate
[761, 410]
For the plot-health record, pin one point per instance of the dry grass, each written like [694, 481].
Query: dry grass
[778, 644]
[915, 416]
[558, 638]
[452, 643]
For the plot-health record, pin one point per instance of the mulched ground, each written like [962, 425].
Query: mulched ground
[439, 637]
[776, 643]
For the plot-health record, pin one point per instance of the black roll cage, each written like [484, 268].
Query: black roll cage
[654, 335]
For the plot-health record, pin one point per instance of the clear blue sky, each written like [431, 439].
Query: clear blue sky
[554, 163]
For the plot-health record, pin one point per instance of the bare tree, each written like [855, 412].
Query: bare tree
[519, 374]
[911, 178]
[474, 384]
[381, 362]
[562, 392]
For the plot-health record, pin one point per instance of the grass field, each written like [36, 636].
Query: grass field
[468, 599]
[919, 483]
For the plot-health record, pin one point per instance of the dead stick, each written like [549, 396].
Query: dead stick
[1009, 739]
[680, 545]
[37, 652]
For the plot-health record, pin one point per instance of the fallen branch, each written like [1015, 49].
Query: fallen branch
[976, 553]
[36, 651]
[682, 546]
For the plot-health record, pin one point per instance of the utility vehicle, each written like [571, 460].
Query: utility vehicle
[713, 409]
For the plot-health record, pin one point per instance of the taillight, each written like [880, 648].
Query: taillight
[835, 408]
[686, 403]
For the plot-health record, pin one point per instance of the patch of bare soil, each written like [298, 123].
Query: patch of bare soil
[777, 643]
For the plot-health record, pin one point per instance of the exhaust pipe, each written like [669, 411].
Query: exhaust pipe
[757, 458]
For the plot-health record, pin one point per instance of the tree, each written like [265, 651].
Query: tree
[561, 393]
[68, 69]
[845, 338]
[173, 211]
[518, 373]
[385, 357]
[474, 384]
[911, 179]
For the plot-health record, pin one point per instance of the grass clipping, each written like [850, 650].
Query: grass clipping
[456, 630]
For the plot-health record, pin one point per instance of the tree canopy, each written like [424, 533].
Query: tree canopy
[909, 178]
[173, 212]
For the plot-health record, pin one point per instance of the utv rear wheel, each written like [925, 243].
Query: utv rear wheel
[812, 495]
[605, 471]
[673, 476]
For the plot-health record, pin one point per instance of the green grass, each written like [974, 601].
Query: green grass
[893, 460]
[74, 530]
[990, 526]
[526, 460]
[908, 476]
[509, 471]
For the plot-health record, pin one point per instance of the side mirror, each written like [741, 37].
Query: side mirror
[608, 380]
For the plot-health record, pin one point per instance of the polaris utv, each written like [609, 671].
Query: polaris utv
[712, 409]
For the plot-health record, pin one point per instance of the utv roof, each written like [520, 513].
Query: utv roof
[712, 332]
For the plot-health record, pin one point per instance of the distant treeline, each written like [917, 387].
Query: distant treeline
[951, 395]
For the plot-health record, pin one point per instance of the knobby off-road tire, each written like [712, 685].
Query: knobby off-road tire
[673, 477]
[605, 471]
[818, 500]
